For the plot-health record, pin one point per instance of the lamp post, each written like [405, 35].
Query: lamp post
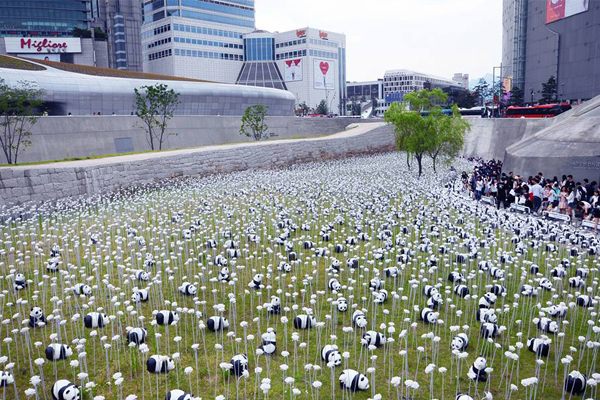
[531, 96]
[495, 113]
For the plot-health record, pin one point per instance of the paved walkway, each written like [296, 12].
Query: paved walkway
[359, 129]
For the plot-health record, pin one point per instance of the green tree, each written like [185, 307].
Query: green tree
[516, 97]
[549, 91]
[81, 33]
[425, 99]
[155, 106]
[322, 108]
[448, 134]
[483, 91]
[466, 99]
[20, 108]
[100, 35]
[253, 122]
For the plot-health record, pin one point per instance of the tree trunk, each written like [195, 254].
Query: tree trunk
[434, 158]
[419, 161]
[408, 160]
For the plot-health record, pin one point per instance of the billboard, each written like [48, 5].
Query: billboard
[42, 45]
[293, 70]
[394, 97]
[559, 9]
[324, 74]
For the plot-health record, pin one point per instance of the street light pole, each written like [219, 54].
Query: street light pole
[531, 96]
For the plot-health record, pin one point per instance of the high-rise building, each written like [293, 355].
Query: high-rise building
[559, 38]
[122, 22]
[461, 79]
[218, 41]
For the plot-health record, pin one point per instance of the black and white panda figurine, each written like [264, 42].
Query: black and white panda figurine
[20, 282]
[158, 364]
[64, 390]
[380, 297]
[6, 378]
[546, 284]
[342, 304]
[460, 342]
[95, 320]
[359, 319]
[331, 354]
[353, 380]
[496, 273]
[94, 238]
[335, 265]
[211, 244]
[224, 275]
[486, 315]
[140, 295]
[487, 300]
[584, 301]
[334, 285]
[461, 290]
[352, 263]
[429, 316]
[188, 289]
[429, 290]
[52, 265]
[274, 307]
[137, 335]
[239, 364]
[284, 267]
[488, 330]
[217, 324]
[558, 311]
[304, 321]
[179, 395]
[57, 352]
[166, 317]
[141, 275]
[485, 265]
[372, 338]
[477, 370]
[576, 383]
[455, 277]
[269, 342]
[461, 396]
[308, 244]
[81, 289]
[392, 272]
[547, 325]
[528, 290]
[220, 261]
[376, 284]
[435, 301]
[55, 251]
[233, 253]
[36, 317]
[149, 261]
[498, 290]
[538, 346]
[256, 281]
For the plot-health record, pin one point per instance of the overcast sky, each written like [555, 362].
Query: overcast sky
[438, 37]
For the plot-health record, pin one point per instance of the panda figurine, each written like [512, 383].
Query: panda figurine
[20, 282]
[486, 315]
[352, 263]
[342, 304]
[81, 289]
[487, 300]
[528, 290]
[140, 295]
[149, 261]
[435, 301]
[166, 317]
[224, 275]
[178, 395]
[269, 342]
[188, 289]
[372, 338]
[380, 297]
[239, 365]
[331, 354]
[455, 277]
[461, 396]
[429, 316]
[284, 267]
[256, 281]
[429, 290]
[392, 272]
[461, 290]
[477, 370]
[274, 307]
[547, 325]
[159, 364]
[353, 381]
[304, 322]
[558, 311]
[52, 265]
[538, 346]
[546, 284]
[498, 290]
[376, 284]
[576, 383]
[141, 275]
[137, 336]
[584, 301]
[95, 320]
[334, 285]
[64, 390]
[36, 317]
[460, 342]
[359, 319]
[211, 244]
[488, 330]
[57, 352]
[220, 261]
[6, 378]
[217, 324]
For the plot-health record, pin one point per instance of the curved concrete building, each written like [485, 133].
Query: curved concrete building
[82, 90]
[571, 145]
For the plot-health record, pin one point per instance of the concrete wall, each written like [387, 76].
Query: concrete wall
[55, 181]
[56, 138]
[489, 138]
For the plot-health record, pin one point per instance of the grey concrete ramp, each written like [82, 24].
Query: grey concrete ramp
[569, 146]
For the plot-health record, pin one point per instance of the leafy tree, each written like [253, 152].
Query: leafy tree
[549, 91]
[304, 108]
[322, 108]
[253, 122]
[465, 99]
[155, 106]
[448, 134]
[356, 108]
[81, 33]
[425, 100]
[100, 35]
[19, 111]
[516, 97]
[483, 90]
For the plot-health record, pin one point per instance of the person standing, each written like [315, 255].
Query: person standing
[502, 190]
[538, 194]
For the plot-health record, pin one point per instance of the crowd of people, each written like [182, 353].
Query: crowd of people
[579, 200]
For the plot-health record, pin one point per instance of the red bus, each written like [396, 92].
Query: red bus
[545, 111]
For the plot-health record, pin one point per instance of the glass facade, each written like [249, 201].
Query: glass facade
[237, 13]
[259, 49]
[43, 17]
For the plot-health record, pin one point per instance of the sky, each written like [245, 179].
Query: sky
[438, 37]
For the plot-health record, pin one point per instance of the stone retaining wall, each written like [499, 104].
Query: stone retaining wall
[55, 181]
